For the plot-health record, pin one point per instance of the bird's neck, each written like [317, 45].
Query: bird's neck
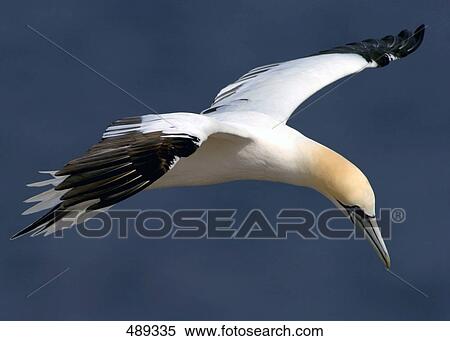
[325, 170]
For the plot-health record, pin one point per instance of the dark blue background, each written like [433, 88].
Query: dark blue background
[175, 55]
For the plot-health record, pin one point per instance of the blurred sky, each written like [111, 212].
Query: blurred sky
[175, 56]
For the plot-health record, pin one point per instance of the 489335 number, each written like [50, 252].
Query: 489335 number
[151, 330]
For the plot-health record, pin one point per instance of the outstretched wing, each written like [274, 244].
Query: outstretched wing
[133, 153]
[278, 89]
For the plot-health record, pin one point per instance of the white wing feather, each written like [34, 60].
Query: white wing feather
[278, 89]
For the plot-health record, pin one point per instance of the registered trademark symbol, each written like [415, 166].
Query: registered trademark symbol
[398, 215]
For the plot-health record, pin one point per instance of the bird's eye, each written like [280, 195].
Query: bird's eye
[359, 212]
[354, 209]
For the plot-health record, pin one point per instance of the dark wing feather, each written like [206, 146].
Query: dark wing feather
[382, 51]
[115, 169]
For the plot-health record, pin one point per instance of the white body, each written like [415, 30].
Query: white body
[280, 154]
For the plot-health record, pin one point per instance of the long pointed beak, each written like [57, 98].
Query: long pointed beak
[373, 235]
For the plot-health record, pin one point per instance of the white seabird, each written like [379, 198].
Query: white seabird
[243, 135]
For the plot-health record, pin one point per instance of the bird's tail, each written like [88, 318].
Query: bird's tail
[56, 218]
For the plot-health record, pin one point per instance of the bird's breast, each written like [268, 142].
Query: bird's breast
[266, 156]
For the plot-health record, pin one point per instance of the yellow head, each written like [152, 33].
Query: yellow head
[348, 188]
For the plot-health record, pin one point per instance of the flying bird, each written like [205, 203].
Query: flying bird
[243, 135]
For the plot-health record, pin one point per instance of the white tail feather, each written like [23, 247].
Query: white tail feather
[76, 215]
[53, 182]
[46, 199]
[50, 198]
[43, 205]
[47, 195]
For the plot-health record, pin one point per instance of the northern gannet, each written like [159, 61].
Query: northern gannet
[243, 135]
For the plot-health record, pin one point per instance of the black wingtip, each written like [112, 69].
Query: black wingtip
[19, 234]
[26, 230]
[42, 223]
[418, 35]
[383, 51]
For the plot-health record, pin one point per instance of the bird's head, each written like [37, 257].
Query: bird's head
[348, 188]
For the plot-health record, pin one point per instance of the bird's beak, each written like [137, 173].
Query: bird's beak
[373, 235]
